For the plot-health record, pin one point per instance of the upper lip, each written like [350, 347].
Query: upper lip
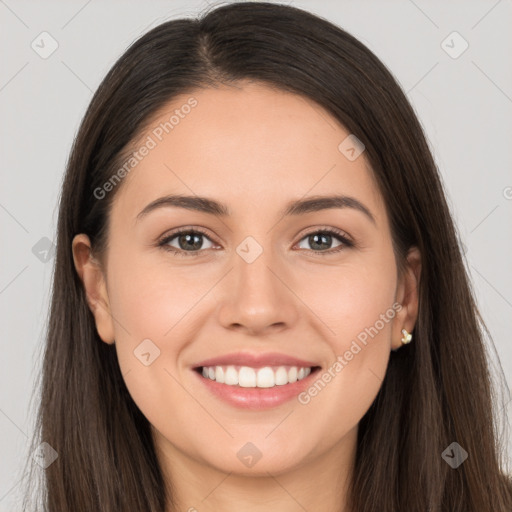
[256, 360]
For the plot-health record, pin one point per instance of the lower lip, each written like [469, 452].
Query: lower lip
[257, 398]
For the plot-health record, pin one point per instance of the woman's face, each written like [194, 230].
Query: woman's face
[262, 290]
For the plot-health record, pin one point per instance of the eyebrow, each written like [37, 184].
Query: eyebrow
[298, 207]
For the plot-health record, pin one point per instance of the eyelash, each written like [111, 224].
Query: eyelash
[179, 252]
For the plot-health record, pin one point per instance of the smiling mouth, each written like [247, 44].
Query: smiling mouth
[248, 377]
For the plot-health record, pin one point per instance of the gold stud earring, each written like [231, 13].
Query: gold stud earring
[406, 337]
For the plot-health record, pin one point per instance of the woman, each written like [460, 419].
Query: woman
[206, 351]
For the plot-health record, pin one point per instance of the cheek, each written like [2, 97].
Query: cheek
[150, 299]
[152, 307]
[354, 301]
[358, 305]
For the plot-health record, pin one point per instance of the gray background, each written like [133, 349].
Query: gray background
[464, 104]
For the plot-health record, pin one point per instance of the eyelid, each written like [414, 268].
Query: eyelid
[311, 230]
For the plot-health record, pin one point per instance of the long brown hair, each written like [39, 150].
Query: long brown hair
[437, 390]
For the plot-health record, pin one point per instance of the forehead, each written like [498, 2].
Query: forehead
[249, 146]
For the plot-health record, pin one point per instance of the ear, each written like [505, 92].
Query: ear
[91, 274]
[407, 296]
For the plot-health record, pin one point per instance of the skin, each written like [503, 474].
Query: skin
[253, 148]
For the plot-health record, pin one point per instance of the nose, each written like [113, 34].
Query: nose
[257, 299]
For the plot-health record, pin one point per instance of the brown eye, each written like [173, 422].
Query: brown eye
[323, 239]
[185, 242]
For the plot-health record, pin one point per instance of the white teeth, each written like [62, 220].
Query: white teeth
[281, 376]
[231, 376]
[219, 374]
[247, 377]
[266, 378]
